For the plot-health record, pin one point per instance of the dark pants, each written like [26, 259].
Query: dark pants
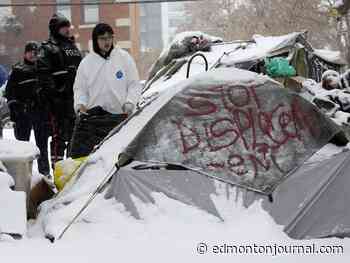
[61, 120]
[36, 120]
[62, 130]
[91, 129]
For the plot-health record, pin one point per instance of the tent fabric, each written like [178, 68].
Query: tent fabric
[312, 202]
[185, 186]
[300, 63]
[251, 134]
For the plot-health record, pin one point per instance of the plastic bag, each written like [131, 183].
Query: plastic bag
[279, 67]
[65, 170]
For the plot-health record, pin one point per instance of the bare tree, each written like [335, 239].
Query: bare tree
[145, 61]
[340, 13]
[236, 19]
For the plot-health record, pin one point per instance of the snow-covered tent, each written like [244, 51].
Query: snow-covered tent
[213, 123]
[176, 61]
[183, 59]
[289, 131]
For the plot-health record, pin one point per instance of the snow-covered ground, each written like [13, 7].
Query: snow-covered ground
[170, 231]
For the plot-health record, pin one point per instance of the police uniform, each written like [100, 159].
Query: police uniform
[59, 59]
[27, 111]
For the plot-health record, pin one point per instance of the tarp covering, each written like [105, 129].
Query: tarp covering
[240, 127]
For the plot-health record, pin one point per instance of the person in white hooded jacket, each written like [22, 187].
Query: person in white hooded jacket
[106, 87]
[106, 77]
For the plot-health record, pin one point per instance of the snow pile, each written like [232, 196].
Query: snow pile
[260, 48]
[179, 39]
[183, 46]
[6, 181]
[12, 207]
[170, 231]
[15, 150]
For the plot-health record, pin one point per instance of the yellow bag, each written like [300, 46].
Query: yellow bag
[65, 170]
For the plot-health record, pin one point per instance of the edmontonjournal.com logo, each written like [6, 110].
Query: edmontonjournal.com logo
[269, 249]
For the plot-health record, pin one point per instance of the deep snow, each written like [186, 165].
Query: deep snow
[170, 231]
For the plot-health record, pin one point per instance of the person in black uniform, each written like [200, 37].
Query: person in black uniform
[59, 59]
[27, 111]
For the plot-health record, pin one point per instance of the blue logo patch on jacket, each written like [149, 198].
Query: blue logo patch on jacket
[119, 74]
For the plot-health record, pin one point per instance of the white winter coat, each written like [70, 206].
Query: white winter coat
[109, 83]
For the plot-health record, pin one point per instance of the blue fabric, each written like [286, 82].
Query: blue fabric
[3, 75]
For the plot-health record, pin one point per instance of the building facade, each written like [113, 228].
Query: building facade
[124, 18]
[151, 27]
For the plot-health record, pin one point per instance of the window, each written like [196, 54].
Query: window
[64, 9]
[90, 12]
[142, 10]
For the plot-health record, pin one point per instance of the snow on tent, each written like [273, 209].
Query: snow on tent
[230, 125]
[180, 59]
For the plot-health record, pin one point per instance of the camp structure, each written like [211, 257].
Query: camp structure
[184, 57]
[226, 126]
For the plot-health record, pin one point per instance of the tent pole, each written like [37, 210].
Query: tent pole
[99, 188]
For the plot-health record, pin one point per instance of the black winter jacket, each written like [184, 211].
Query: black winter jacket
[22, 85]
[58, 62]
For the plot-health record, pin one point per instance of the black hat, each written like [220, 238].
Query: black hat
[56, 22]
[100, 29]
[31, 46]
